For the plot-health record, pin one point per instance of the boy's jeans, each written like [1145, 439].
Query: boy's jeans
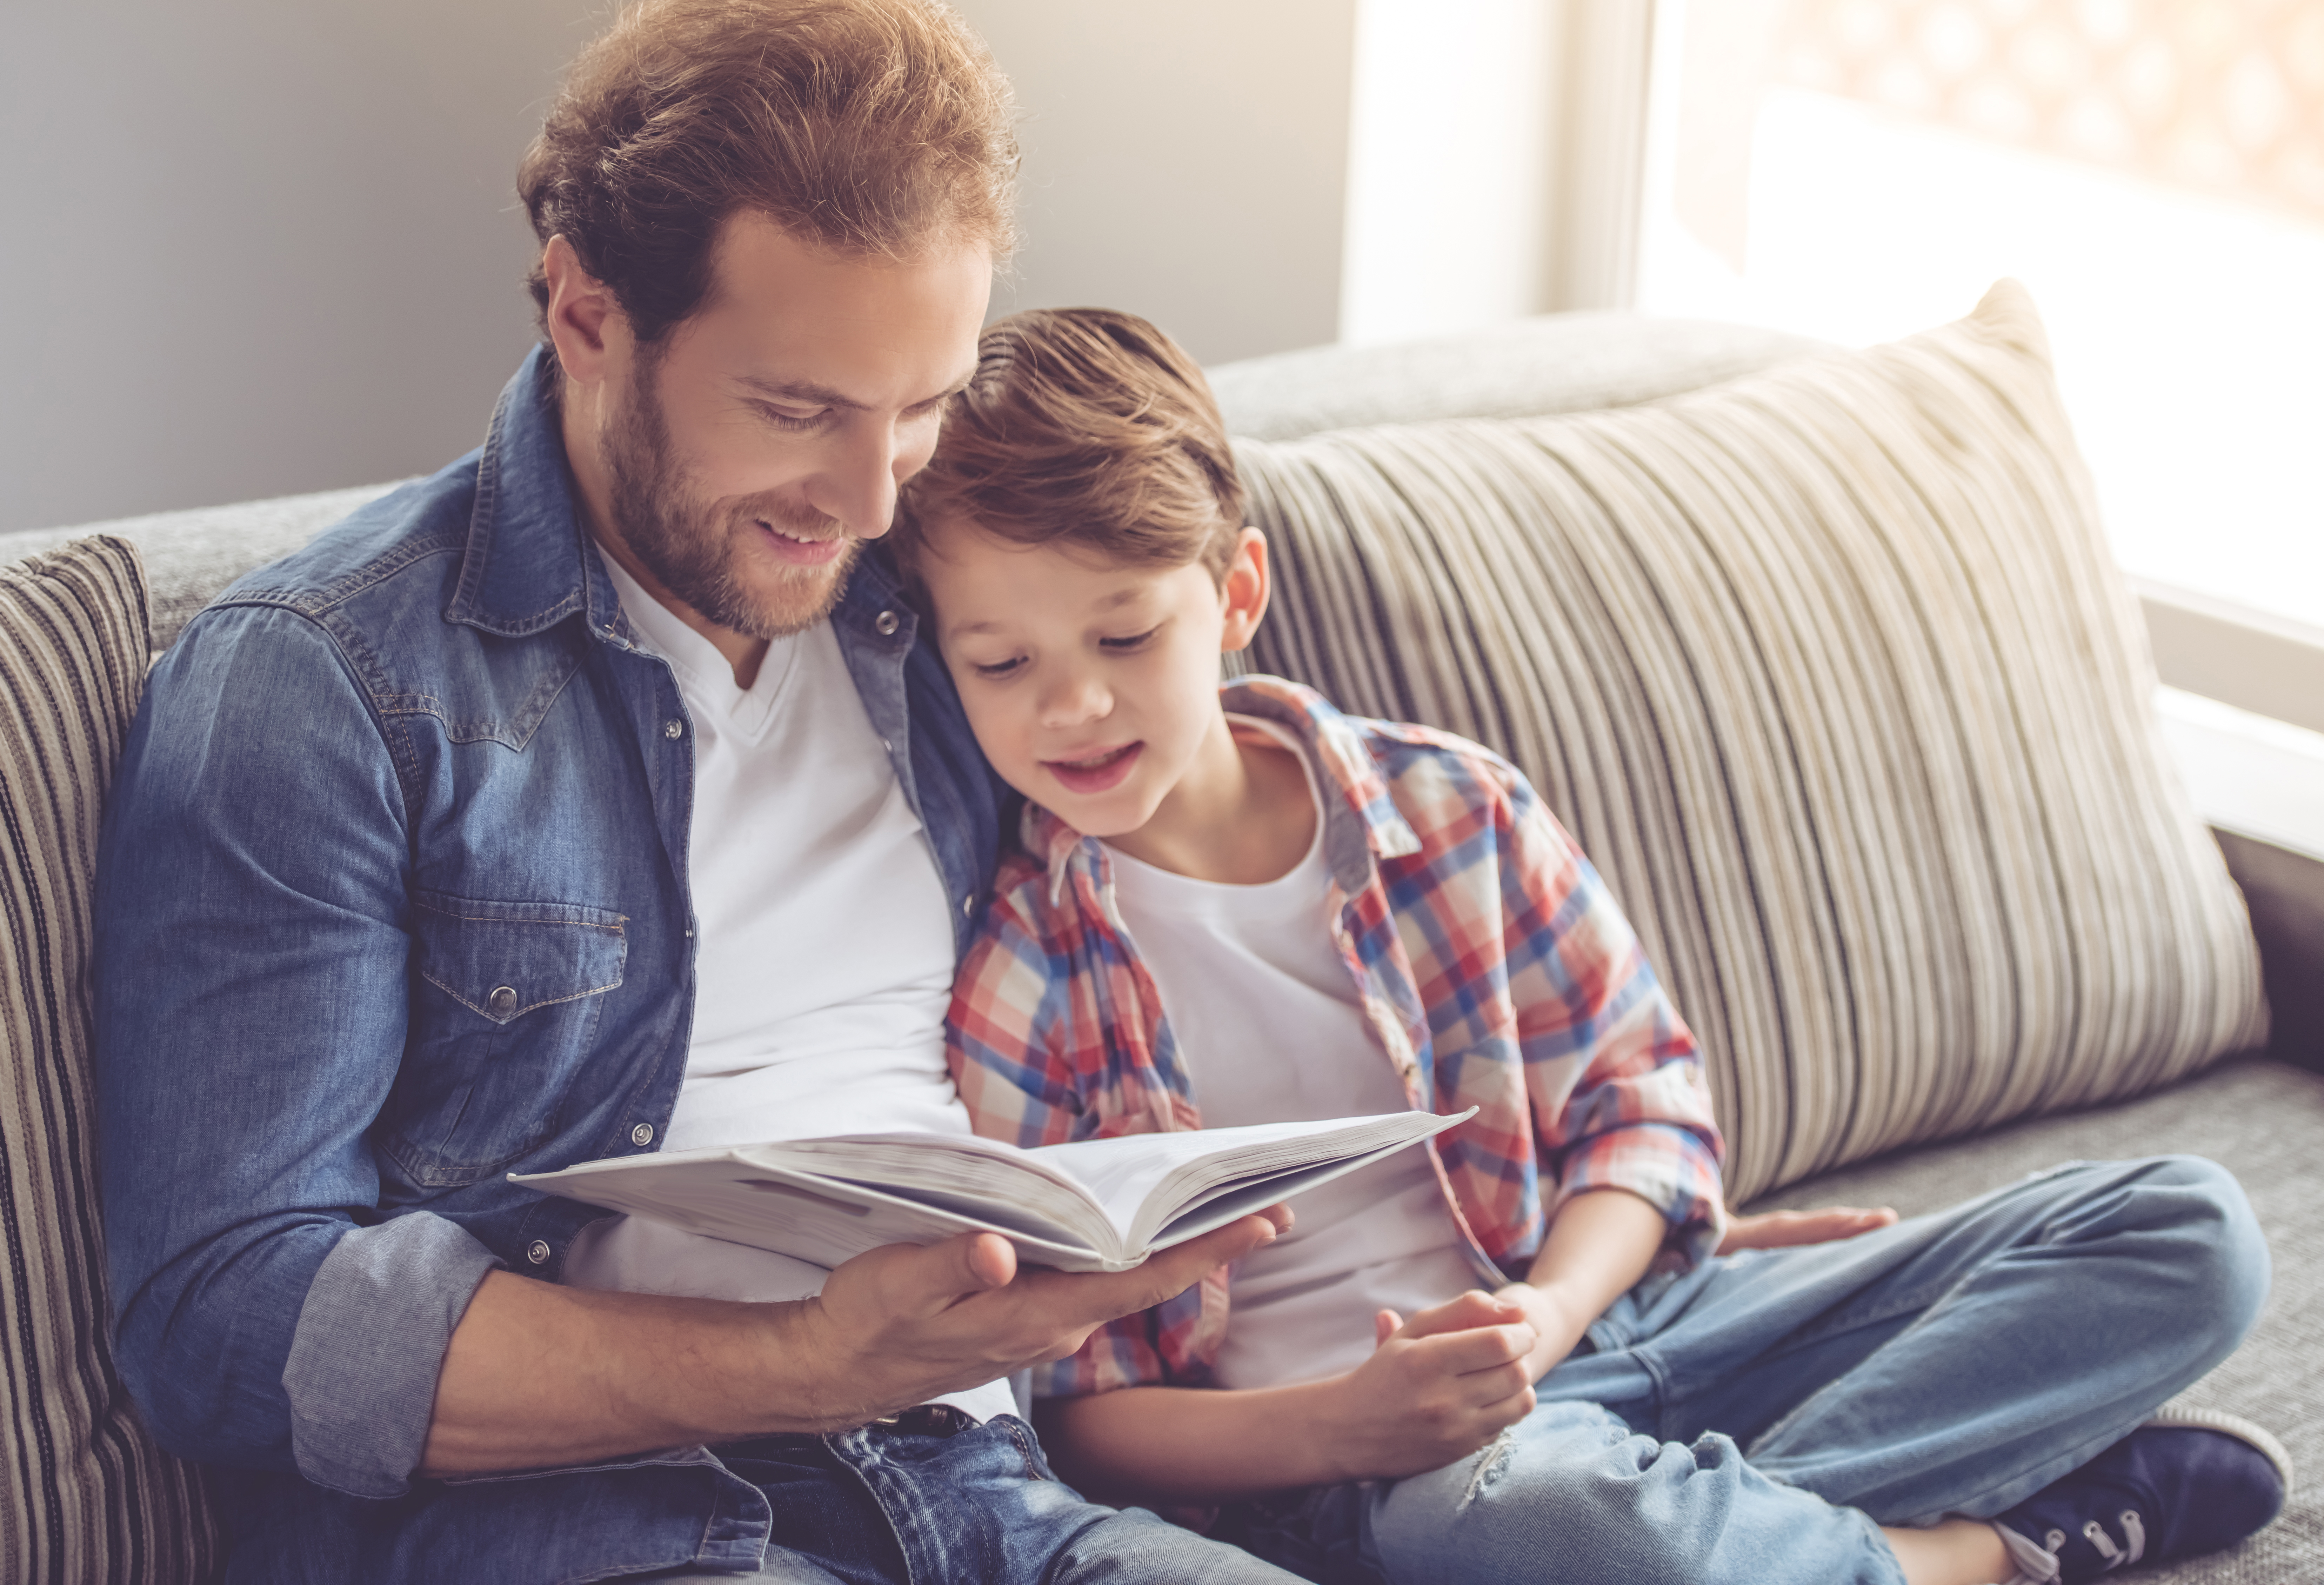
[871, 1506]
[1756, 1419]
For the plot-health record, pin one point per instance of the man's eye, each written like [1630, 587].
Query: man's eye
[792, 421]
[999, 668]
[1131, 642]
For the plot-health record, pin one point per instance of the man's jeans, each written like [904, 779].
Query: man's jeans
[876, 1508]
[1755, 1420]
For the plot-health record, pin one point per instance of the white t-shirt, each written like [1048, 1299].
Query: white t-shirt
[1269, 1024]
[823, 949]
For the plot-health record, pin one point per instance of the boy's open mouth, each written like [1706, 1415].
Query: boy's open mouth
[1095, 772]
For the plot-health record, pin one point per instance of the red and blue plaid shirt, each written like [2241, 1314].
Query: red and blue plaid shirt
[1494, 969]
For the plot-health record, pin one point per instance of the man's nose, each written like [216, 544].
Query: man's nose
[856, 485]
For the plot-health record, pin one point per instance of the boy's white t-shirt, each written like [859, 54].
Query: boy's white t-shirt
[823, 949]
[1270, 1026]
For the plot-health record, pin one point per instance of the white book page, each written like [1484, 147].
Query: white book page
[1090, 1206]
[1145, 1180]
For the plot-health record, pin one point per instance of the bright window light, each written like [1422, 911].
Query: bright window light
[2161, 196]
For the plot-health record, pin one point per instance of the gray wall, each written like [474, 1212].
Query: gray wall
[259, 246]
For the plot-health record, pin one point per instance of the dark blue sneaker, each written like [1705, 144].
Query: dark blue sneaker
[2188, 1482]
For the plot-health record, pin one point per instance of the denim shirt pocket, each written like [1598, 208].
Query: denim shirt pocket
[505, 1002]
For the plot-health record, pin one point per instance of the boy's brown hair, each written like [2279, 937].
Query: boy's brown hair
[872, 127]
[1088, 428]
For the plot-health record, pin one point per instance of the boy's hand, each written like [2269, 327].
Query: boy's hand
[900, 1325]
[1436, 1389]
[1779, 1230]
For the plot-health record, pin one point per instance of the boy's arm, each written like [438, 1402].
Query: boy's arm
[1598, 1245]
[1636, 1149]
[1436, 1389]
[1614, 1076]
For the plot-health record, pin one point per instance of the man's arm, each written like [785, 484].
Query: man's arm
[540, 1376]
[251, 991]
[251, 985]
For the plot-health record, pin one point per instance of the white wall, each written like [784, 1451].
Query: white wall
[257, 247]
[1184, 160]
[1494, 159]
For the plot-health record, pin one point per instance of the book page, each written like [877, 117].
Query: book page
[1146, 1181]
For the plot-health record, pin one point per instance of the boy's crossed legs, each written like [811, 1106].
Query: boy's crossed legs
[1758, 1419]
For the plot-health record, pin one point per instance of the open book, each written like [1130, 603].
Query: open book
[1096, 1205]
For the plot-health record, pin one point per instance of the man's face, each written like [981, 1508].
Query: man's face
[752, 451]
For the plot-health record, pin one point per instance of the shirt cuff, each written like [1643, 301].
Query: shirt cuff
[370, 1344]
[1667, 1166]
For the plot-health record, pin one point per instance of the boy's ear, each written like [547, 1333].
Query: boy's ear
[1244, 590]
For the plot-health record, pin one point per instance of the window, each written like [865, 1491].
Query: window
[2153, 170]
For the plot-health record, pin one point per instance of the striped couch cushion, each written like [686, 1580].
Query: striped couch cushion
[1829, 671]
[88, 1495]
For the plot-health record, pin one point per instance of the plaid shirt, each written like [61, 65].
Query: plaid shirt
[1494, 969]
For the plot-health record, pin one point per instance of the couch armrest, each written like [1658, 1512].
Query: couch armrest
[2286, 893]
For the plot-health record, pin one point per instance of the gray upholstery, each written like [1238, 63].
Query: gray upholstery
[190, 556]
[1556, 363]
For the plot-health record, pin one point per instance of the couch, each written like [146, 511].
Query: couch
[1748, 611]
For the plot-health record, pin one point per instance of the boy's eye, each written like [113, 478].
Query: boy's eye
[1132, 642]
[999, 668]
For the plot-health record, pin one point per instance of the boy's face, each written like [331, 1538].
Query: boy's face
[1092, 687]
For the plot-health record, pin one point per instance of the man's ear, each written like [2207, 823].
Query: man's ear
[586, 324]
[1244, 590]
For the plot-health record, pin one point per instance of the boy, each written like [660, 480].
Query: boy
[1242, 898]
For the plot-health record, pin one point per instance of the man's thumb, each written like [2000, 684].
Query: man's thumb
[969, 1263]
[1385, 1325]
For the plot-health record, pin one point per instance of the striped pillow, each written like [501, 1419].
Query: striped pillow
[1829, 671]
[88, 1495]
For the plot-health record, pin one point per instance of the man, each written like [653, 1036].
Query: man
[590, 798]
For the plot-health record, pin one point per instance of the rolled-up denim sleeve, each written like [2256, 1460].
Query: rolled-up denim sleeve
[251, 994]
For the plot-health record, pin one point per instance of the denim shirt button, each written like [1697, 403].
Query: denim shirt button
[642, 1135]
[968, 904]
[886, 624]
[537, 1253]
[673, 729]
[502, 1000]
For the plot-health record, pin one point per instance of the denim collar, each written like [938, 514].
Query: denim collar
[529, 564]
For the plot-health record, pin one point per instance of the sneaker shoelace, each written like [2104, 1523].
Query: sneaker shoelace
[2134, 1547]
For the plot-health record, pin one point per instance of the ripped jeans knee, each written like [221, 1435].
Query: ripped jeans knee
[1573, 1493]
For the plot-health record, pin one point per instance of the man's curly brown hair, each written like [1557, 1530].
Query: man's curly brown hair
[872, 127]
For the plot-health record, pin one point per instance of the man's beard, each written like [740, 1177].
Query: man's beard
[691, 546]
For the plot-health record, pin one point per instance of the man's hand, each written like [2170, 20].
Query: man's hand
[1780, 1229]
[1436, 1389]
[901, 1325]
[539, 1375]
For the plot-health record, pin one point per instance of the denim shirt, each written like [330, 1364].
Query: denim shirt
[391, 902]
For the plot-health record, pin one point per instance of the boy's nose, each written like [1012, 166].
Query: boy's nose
[1074, 699]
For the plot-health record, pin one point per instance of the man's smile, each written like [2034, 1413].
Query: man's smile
[800, 549]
